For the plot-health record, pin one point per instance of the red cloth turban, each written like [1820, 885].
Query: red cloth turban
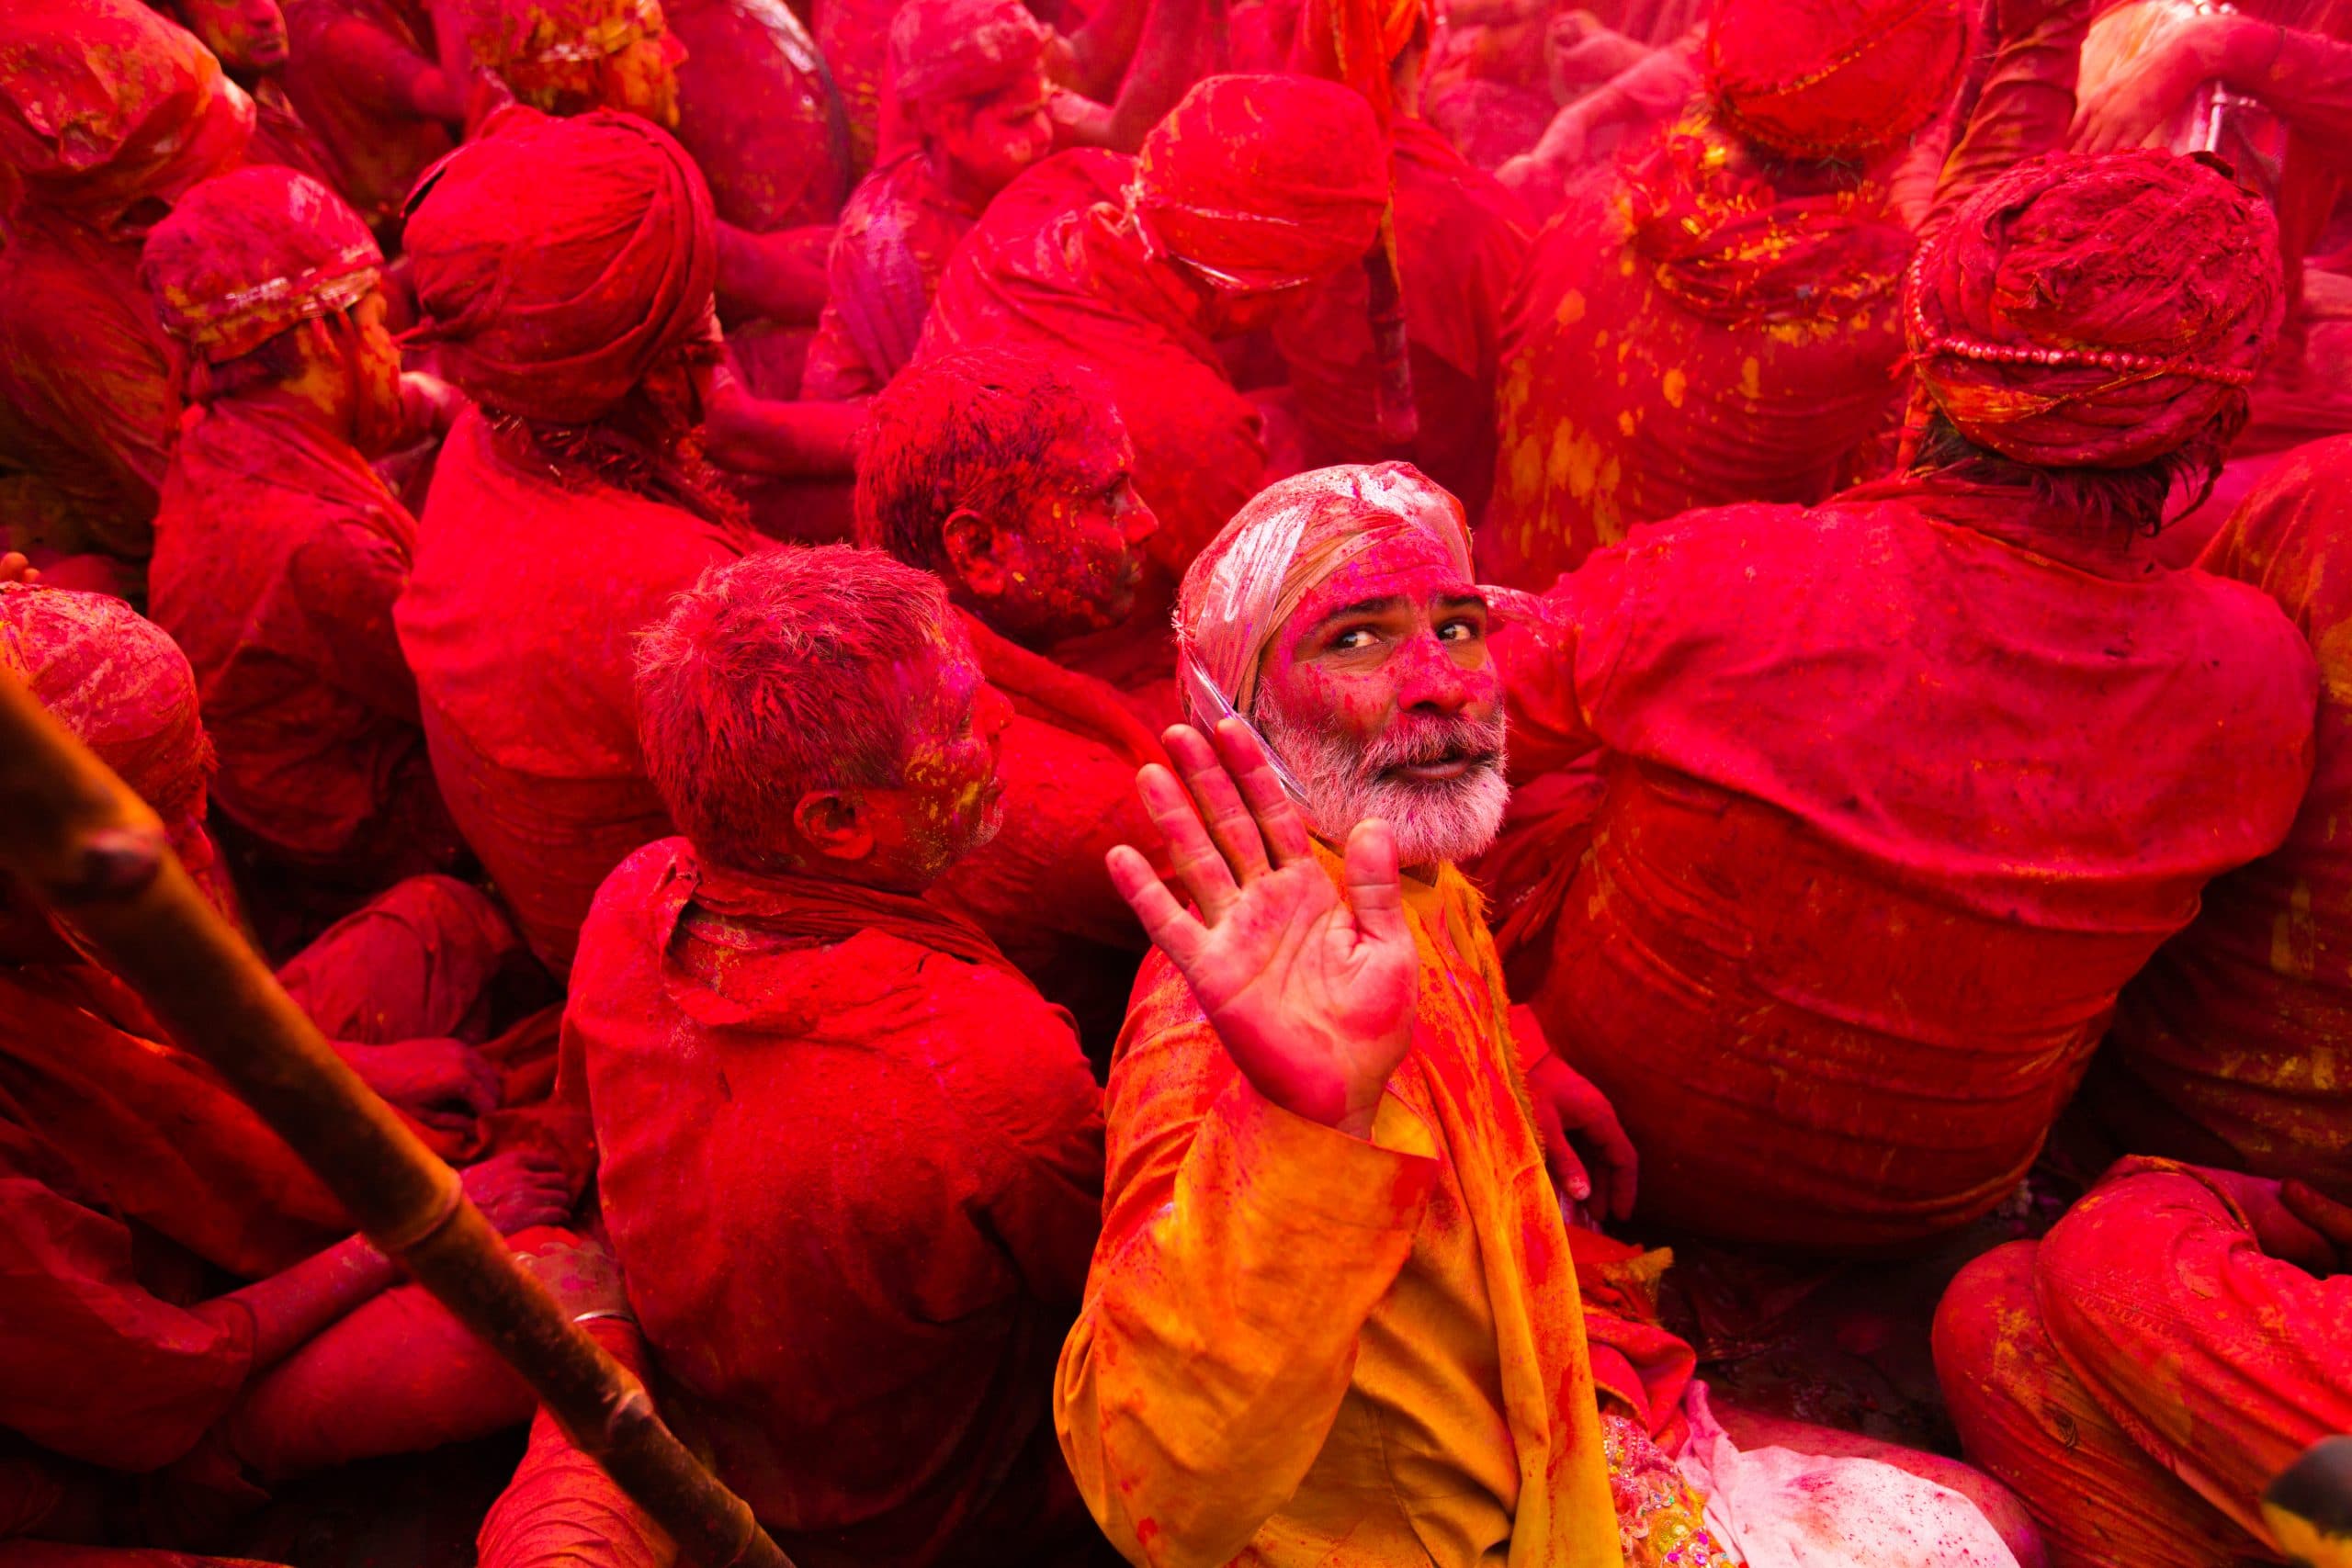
[556, 261]
[2096, 311]
[112, 677]
[247, 255]
[1263, 182]
[1829, 78]
[103, 103]
[1290, 539]
[962, 49]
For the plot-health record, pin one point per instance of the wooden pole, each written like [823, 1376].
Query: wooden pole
[88, 846]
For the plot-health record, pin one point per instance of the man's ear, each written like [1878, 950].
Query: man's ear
[833, 823]
[970, 542]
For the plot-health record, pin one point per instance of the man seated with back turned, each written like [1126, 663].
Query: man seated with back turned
[851, 1161]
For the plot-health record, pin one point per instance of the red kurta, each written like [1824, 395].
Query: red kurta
[895, 235]
[1050, 270]
[2139, 1377]
[1868, 875]
[278, 554]
[852, 1165]
[1462, 241]
[1686, 335]
[518, 574]
[378, 152]
[759, 113]
[2234, 1045]
[92, 385]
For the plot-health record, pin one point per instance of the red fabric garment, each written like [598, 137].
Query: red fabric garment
[1461, 242]
[557, 260]
[961, 49]
[2234, 1045]
[897, 232]
[1053, 268]
[92, 1364]
[854, 36]
[2141, 1375]
[1855, 910]
[1068, 764]
[762, 117]
[418, 961]
[1746, 337]
[283, 137]
[249, 253]
[1811, 80]
[278, 555]
[548, 784]
[91, 387]
[377, 150]
[880, 1392]
[2099, 311]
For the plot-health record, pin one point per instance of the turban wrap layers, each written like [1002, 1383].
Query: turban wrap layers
[558, 261]
[253, 253]
[1290, 538]
[114, 679]
[1263, 183]
[2098, 311]
[962, 49]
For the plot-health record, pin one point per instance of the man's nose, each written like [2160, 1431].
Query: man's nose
[1431, 678]
[1139, 522]
[995, 715]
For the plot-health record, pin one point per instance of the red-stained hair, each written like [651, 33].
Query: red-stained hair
[973, 429]
[771, 677]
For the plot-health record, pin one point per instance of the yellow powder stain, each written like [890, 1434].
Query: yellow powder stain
[1625, 422]
[1575, 463]
[1571, 309]
[2334, 648]
[2294, 939]
[1675, 385]
[1751, 378]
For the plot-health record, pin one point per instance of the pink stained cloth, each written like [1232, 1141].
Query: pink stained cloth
[375, 150]
[897, 232]
[761, 114]
[278, 555]
[1855, 912]
[1462, 243]
[547, 783]
[878, 1388]
[2234, 1045]
[2139, 1377]
[1744, 340]
[249, 253]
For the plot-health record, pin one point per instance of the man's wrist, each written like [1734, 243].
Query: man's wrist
[2239, 51]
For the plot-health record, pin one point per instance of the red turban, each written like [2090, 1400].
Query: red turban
[247, 255]
[2096, 311]
[1829, 78]
[1263, 182]
[962, 49]
[557, 261]
[103, 103]
[113, 678]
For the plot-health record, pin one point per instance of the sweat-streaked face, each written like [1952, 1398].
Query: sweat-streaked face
[1381, 695]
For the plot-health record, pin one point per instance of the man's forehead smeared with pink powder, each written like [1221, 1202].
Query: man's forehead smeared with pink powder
[1290, 539]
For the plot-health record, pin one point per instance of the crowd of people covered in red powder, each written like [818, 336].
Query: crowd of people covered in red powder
[1319, 783]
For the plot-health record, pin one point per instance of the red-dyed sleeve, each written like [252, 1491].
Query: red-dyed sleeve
[92, 1365]
[2027, 103]
[2222, 1362]
[346, 578]
[561, 1510]
[2308, 84]
[1242, 1250]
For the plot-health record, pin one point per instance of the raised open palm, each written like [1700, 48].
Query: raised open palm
[1311, 993]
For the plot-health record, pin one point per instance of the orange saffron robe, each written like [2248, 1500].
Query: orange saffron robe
[1300, 1347]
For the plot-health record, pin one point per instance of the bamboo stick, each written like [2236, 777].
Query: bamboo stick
[87, 846]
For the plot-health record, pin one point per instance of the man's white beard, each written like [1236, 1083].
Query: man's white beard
[1435, 820]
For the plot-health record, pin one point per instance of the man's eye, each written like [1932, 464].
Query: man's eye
[1354, 637]
[1459, 631]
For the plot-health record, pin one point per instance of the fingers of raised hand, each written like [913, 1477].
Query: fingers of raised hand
[1164, 921]
[1280, 825]
[1375, 893]
[1227, 818]
[1199, 864]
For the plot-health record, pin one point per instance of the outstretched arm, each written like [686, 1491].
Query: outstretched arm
[1182, 41]
[1252, 1226]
